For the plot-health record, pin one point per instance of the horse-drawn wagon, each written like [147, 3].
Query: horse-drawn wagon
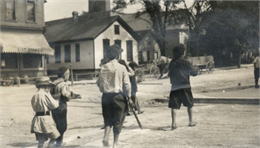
[203, 62]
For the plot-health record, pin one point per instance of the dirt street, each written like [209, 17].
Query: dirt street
[219, 125]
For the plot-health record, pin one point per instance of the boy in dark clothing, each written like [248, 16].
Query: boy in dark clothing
[133, 81]
[62, 93]
[180, 70]
[256, 70]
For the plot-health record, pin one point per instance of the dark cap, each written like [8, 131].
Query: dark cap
[61, 71]
[179, 49]
[113, 51]
[133, 64]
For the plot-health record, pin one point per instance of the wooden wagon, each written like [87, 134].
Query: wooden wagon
[203, 62]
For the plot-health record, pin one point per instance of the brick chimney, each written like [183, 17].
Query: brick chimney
[99, 6]
[75, 16]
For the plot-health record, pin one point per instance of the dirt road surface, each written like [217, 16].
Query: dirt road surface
[219, 125]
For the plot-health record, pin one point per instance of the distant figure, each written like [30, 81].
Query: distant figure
[162, 64]
[113, 80]
[256, 70]
[131, 73]
[61, 92]
[180, 70]
[133, 81]
[42, 102]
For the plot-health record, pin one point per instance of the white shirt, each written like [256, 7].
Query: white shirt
[114, 78]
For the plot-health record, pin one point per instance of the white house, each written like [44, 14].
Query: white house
[81, 41]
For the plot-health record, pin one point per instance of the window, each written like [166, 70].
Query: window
[148, 56]
[117, 31]
[32, 60]
[140, 56]
[10, 10]
[31, 11]
[57, 54]
[77, 53]
[9, 61]
[156, 55]
[106, 44]
[67, 53]
[118, 42]
[47, 59]
[129, 49]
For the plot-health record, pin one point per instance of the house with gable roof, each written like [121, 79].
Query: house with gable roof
[81, 41]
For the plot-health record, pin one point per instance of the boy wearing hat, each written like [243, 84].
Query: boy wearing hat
[42, 102]
[180, 70]
[113, 80]
[61, 92]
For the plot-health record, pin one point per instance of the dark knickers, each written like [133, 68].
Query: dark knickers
[177, 97]
[113, 109]
[256, 73]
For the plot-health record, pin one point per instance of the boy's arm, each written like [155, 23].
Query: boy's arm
[51, 102]
[68, 94]
[254, 62]
[169, 68]
[126, 83]
[131, 72]
[193, 70]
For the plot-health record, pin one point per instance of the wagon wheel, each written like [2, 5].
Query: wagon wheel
[210, 67]
[139, 73]
[198, 69]
[154, 71]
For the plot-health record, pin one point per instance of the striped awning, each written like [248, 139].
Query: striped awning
[16, 41]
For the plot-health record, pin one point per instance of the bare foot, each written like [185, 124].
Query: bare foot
[174, 126]
[192, 124]
[140, 112]
[105, 143]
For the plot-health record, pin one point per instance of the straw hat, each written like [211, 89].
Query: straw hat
[43, 81]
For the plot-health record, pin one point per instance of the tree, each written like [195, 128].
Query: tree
[195, 16]
[160, 14]
[232, 27]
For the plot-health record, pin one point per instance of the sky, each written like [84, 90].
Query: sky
[58, 9]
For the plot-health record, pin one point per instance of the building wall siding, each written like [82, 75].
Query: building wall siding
[86, 56]
[21, 15]
[109, 33]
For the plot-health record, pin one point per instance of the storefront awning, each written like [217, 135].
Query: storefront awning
[16, 41]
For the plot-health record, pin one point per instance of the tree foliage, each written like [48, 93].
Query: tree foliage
[161, 14]
[232, 27]
[224, 29]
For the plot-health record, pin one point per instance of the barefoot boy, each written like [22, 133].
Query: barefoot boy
[180, 70]
[42, 102]
[113, 79]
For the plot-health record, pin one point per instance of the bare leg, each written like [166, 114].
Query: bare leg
[191, 123]
[106, 135]
[40, 144]
[51, 143]
[174, 125]
[116, 137]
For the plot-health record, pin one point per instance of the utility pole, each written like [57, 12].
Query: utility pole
[71, 77]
